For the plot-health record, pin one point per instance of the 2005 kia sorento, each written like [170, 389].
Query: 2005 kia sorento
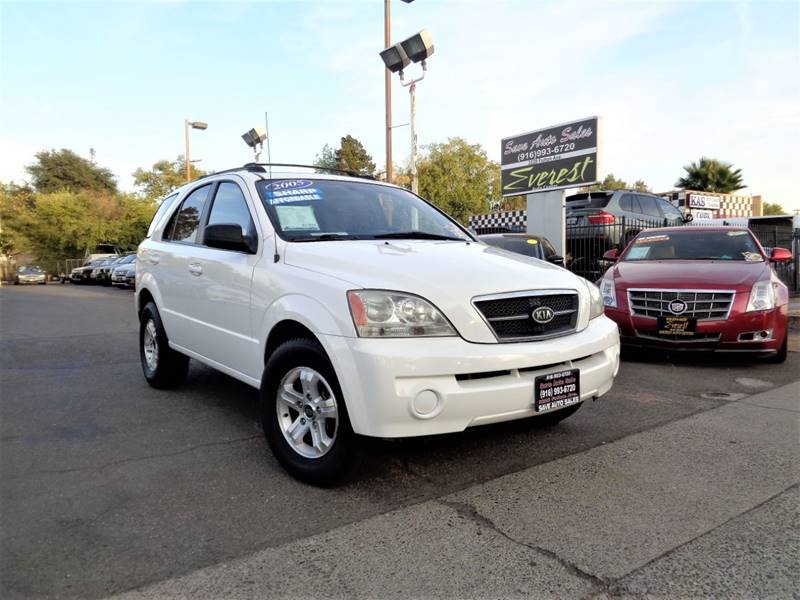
[358, 309]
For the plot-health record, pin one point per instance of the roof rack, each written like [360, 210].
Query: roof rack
[259, 167]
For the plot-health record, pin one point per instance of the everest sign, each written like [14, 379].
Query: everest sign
[558, 157]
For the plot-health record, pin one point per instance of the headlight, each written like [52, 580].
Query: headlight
[378, 313]
[762, 296]
[595, 300]
[608, 292]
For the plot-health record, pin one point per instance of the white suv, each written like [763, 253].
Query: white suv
[359, 309]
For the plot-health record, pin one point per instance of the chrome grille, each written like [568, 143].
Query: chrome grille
[703, 305]
[509, 315]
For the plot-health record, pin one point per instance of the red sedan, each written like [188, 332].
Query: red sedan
[698, 288]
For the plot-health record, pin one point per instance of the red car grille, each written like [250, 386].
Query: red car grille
[703, 305]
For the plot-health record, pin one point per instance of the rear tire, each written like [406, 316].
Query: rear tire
[162, 366]
[554, 418]
[301, 401]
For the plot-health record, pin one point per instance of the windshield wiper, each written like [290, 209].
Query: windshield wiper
[326, 237]
[415, 235]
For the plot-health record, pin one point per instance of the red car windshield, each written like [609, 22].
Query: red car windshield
[694, 244]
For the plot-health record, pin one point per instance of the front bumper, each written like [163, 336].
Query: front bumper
[412, 387]
[722, 335]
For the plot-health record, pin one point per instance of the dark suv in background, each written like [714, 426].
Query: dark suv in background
[599, 221]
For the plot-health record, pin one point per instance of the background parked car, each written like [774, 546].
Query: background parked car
[103, 273]
[590, 214]
[531, 245]
[30, 274]
[83, 274]
[123, 273]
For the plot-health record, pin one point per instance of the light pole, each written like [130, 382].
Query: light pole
[417, 48]
[387, 87]
[187, 124]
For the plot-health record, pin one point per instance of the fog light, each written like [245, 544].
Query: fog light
[426, 404]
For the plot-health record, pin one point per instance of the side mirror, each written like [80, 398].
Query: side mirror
[611, 255]
[229, 236]
[556, 260]
[780, 255]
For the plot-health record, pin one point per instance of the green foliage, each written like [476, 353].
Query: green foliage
[773, 208]
[326, 159]
[57, 170]
[459, 178]
[349, 156]
[163, 177]
[64, 224]
[611, 183]
[711, 175]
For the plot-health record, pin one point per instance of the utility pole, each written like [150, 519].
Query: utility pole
[186, 139]
[412, 91]
[387, 83]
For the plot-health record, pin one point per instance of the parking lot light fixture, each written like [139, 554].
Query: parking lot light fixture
[187, 124]
[415, 49]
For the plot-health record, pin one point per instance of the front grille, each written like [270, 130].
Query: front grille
[703, 305]
[697, 337]
[510, 318]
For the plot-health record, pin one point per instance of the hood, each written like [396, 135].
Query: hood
[689, 274]
[448, 274]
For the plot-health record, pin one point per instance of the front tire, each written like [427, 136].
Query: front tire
[162, 366]
[304, 415]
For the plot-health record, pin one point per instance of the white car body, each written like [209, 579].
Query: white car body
[393, 387]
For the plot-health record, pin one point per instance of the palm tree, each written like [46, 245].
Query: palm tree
[711, 175]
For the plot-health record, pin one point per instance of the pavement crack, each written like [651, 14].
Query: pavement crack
[122, 461]
[469, 512]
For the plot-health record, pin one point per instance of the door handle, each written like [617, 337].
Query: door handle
[196, 269]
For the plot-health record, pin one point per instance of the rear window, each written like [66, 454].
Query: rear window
[589, 200]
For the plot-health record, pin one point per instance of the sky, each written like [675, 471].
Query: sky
[672, 81]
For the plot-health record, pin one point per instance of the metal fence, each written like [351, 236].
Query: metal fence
[781, 236]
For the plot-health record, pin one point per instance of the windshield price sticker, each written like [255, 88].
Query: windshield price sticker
[652, 238]
[554, 158]
[294, 195]
[557, 390]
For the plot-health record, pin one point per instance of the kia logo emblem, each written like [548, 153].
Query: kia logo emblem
[543, 314]
[676, 307]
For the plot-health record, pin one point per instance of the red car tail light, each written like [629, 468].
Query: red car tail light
[602, 218]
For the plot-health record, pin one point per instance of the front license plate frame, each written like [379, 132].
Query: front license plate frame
[676, 326]
[555, 390]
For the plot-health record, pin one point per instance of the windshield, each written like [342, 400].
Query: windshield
[30, 270]
[695, 244]
[306, 210]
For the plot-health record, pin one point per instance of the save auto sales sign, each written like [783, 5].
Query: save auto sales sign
[562, 156]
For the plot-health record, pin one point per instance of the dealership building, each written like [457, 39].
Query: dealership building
[709, 205]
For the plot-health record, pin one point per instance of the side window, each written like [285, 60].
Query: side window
[672, 213]
[187, 218]
[626, 203]
[160, 212]
[650, 206]
[230, 207]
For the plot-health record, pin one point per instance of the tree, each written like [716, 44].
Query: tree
[326, 159]
[711, 175]
[459, 178]
[163, 177]
[611, 183]
[57, 170]
[349, 156]
[772, 208]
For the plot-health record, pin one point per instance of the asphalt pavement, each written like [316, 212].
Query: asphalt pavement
[680, 482]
